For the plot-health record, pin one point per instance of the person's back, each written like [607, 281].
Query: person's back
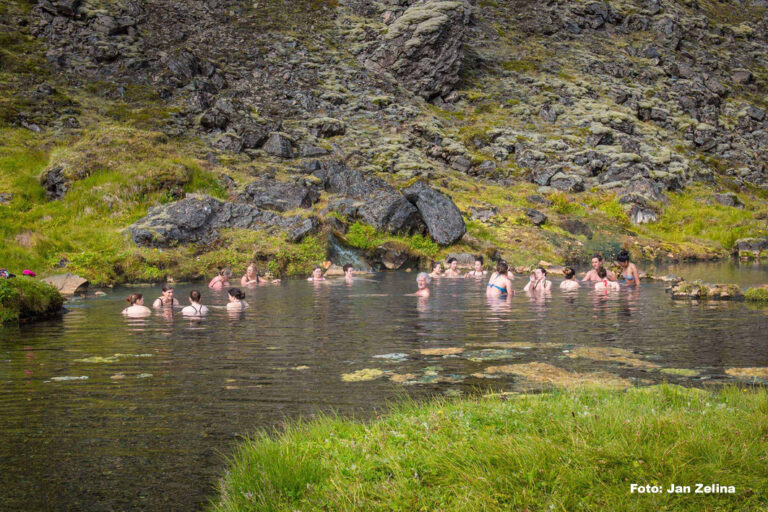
[136, 308]
[195, 308]
[569, 284]
[605, 285]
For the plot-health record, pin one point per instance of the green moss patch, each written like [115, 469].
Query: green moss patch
[23, 298]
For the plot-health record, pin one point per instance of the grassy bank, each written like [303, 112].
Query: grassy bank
[22, 298]
[554, 451]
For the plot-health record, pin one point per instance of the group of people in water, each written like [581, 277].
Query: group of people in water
[499, 283]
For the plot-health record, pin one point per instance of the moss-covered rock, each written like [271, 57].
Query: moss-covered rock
[705, 291]
[757, 294]
[24, 299]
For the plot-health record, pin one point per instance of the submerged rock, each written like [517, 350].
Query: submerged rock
[611, 355]
[705, 291]
[546, 375]
[363, 375]
[760, 374]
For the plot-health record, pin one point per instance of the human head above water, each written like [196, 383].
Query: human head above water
[452, 262]
[437, 267]
[225, 273]
[623, 258]
[194, 296]
[540, 272]
[135, 298]
[478, 263]
[347, 268]
[597, 261]
[602, 273]
[236, 293]
[423, 279]
[317, 272]
[168, 291]
[502, 267]
[568, 272]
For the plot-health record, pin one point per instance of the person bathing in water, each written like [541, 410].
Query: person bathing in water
[452, 268]
[252, 277]
[477, 269]
[604, 284]
[538, 281]
[628, 270]
[422, 281]
[194, 308]
[236, 300]
[570, 283]
[166, 299]
[136, 308]
[221, 281]
[437, 269]
[349, 272]
[500, 285]
[317, 274]
[597, 263]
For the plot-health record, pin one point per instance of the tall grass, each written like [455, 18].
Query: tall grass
[555, 451]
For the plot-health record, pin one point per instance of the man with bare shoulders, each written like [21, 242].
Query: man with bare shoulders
[597, 264]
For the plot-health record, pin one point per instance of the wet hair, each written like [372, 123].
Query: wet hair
[347, 267]
[317, 267]
[436, 264]
[134, 298]
[543, 270]
[167, 287]
[602, 273]
[425, 276]
[623, 256]
[225, 272]
[598, 256]
[195, 295]
[236, 293]
[502, 267]
[450, 260]
[479, 258]
[568, 272]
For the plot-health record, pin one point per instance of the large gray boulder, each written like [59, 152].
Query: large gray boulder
[424, 47]
[443, 219]
[279, 196]
[68, 284]
[197, 219]
[750, 247]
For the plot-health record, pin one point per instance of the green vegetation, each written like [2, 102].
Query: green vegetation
[554, 451]
[757, 294]
[367, 238]
[23, 298]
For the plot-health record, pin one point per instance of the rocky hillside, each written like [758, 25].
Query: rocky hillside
[153, 139]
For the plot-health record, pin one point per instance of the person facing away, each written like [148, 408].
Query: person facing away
[195, 308]
[221, 281]
[317, 274]
[166, 299]
[604, 284]
[628, 270]
[437, 269]
[499, 284]
[422, 282]
[597, 263]
[477, 268]
[453, 268]
[136, 307]
[570, 283]
[538, 281]
[236, 300]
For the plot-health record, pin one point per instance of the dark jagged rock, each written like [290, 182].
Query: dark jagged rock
[424, 47]
[443, 219]
[728, 199]
[279, 144]
[197, 219]
[576, 227]
[746, 248]
[535, 217]
[392, 255]
[54, 182]
[279, 196]
[641, 211]
[345, 207]
[567, 182]
[302, 229]
[326, 127]
[483, 214]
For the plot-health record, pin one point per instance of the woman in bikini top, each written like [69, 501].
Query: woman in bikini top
[194, 308]
[499, 283]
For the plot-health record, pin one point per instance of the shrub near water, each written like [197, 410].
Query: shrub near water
[22, 298]
[555, 451]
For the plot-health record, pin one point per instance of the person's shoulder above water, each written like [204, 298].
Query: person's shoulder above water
[136, 307]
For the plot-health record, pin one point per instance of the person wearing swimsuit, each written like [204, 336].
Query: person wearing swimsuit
[437, 269]
[477, 271]
[605, 285]
[136, 308]
[221, 281]
[236, 302]
[166, 300]
[597, 263]
[538, 281]
[194, 308]
[453, 270]
[628, 270]
[499, 285]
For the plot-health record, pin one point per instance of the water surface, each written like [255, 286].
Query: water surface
[165, 398]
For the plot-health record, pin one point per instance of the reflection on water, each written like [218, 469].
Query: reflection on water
[106, 413]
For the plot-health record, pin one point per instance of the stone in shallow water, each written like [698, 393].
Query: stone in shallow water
[69, 377]
[396, 357]
[611, 355]
[546, 375]
[682, 372]
[491, 355]
[440, 351]
[758, 373]
[363, 375]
